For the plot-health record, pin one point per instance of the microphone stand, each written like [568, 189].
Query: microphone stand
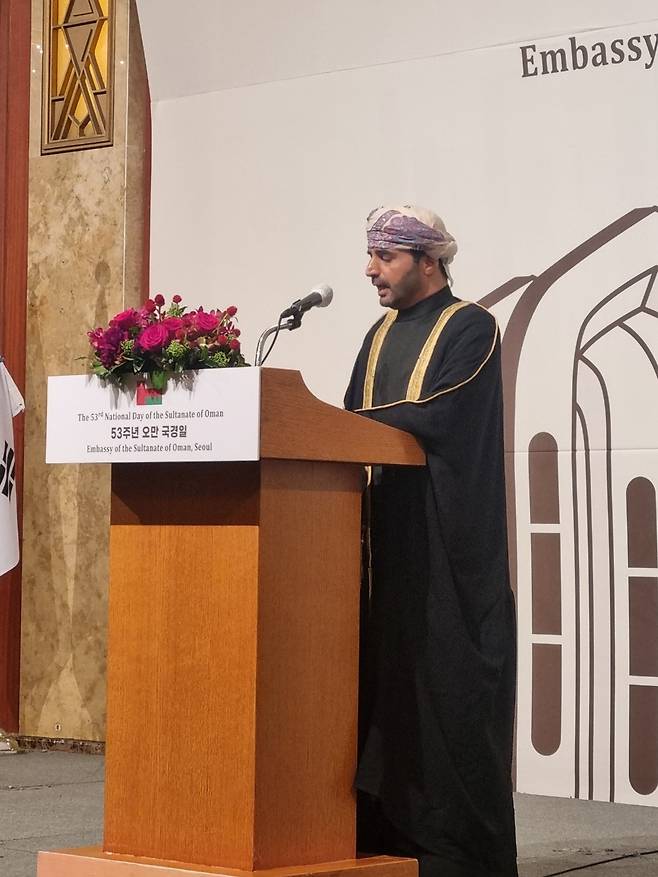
[294, 321]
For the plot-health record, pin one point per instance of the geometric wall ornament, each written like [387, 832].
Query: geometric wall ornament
[78, 74]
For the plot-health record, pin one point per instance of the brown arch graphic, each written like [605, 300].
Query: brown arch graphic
[517, 328]
[578, 415]
[643, 344]
[590, 598]
[512, 345]
[492, 298]
[611, 572]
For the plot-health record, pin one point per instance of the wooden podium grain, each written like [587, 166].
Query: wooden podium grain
[233, 653]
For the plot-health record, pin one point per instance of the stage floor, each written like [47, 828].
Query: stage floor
[50, 800]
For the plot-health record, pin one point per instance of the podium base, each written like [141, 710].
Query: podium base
[93, 862]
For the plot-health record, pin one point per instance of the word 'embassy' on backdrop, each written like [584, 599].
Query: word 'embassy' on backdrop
[577, 56]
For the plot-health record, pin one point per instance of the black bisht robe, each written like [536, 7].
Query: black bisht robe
[438, 641]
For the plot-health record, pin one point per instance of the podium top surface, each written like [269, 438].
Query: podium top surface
[295, 425]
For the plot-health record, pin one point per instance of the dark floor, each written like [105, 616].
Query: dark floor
[55, 799]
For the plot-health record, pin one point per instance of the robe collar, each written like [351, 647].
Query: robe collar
[430, 305]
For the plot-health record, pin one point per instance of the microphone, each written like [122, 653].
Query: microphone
[319, 297]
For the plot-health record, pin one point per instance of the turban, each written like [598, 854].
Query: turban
[410, 228]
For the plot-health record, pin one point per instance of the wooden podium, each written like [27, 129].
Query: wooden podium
[233, 654]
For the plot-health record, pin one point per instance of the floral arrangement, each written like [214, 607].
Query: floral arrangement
[155, 340]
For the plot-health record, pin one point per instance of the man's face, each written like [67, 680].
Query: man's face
[397, 276]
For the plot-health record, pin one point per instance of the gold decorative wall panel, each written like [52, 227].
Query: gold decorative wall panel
[78, 74]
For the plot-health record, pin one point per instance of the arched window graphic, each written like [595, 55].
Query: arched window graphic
[641, 516]
[643, 635]
[608, 698]
[546, 594]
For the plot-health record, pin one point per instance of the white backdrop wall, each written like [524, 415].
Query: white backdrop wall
[210, 45]
[276, 130]
[261, 191]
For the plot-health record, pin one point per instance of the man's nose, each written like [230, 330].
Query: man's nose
[371, 269]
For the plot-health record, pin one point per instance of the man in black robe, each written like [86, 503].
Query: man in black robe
[438, 650]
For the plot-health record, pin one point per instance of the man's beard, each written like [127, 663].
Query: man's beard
[404, 289]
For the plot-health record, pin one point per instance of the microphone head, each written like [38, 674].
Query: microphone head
[325, 292]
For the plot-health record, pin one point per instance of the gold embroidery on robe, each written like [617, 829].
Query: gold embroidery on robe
[423, 361]
[373, 357]
[418, 374]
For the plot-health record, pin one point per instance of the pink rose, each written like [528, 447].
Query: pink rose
[153, 337]
[173, 324]
[149, 306]
[125, 319]
[205, 322]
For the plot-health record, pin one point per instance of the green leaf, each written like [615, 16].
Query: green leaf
[158, 380]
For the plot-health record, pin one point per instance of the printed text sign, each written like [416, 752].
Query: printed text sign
[205, 415]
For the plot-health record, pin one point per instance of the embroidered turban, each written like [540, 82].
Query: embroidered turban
[410, 228]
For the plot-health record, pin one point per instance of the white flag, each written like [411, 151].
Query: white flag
[11, 403]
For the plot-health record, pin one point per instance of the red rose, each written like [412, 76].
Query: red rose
[205, 322]
[235, 344]
[232, 311]
[222, 340]
[153, 337]
[149, 306]
[177, 299]
[159, 300]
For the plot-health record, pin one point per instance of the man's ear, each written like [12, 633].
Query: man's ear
[432, 266]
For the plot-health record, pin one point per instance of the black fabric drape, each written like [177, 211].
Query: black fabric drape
[439, 656]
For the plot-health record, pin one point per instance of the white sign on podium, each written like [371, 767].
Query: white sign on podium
[212, 414]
